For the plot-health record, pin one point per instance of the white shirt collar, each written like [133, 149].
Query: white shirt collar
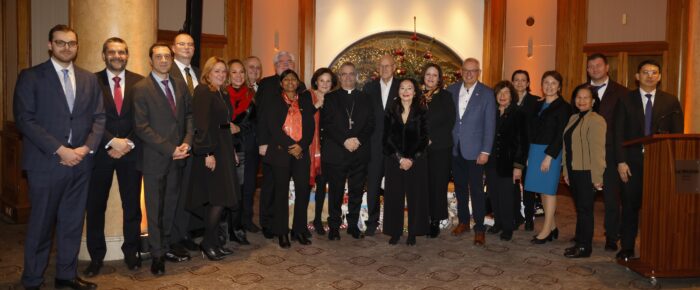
[387, 84]
[60, 68]
[643, 93]
[182, 66]
[469, 89]
[111, 75]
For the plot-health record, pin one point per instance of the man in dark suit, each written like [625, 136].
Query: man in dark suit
[183, 71]
[115, 153]
[163, 121]
[253, 72]
[381, 93]
[473, 136]
[607, 94]
[347, 123]
[269, 87]
[58, 109]
[644, 111]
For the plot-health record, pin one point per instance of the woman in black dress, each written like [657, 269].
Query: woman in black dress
[214, 162]
[287, 127]
[504, 169]
[441, 120]
[405, 143]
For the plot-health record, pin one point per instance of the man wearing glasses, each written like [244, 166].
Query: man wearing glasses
[59, 110]
[473, 136]
[645, 111]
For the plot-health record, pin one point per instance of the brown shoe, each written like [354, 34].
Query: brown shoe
[459, 229]
[479, 238]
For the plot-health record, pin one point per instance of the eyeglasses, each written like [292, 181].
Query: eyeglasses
[471, 71]
[352, 74]
[185, 44]
[651, 73]
[61, 43]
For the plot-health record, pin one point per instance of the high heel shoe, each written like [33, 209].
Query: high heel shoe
[554, 234]
[548, 238]
[318, 227]
[394, 240]
[434, 229]
[210, 253]
[411, 240]
[238, 236]
[284, 241]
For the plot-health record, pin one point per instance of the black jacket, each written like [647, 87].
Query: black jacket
[408, 140]
[510, 145]
[547, 128]
[336, 128]
[442, 115]
[270, 130]
[119, 125]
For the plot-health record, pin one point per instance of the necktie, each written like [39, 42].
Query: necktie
[169, 94]
[595, 90]
[647, 116]
[190, 84]
[118, 95]
[68, 86]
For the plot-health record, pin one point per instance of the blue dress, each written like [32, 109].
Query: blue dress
[536, 180]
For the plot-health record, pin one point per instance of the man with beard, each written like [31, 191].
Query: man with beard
[116, 152]
[58, 110]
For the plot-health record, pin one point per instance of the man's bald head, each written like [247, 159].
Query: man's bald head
[386, 67]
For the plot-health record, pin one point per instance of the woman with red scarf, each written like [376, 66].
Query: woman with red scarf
[287, 127]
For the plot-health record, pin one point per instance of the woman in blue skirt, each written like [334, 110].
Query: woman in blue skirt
[545, 128]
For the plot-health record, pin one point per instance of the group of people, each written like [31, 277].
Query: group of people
[197, 138]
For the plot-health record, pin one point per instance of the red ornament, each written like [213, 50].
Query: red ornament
[414, 37]
[458, 75]
[398, 52]
[428, 55]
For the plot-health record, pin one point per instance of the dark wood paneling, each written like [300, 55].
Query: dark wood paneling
[307, 38]
[239, 28]
[676, 36]
[572, 27]
[630, 47]
[211, 44]
[494, 41]
[14, 200]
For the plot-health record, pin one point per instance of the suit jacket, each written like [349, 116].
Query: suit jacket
[475, 129]
[373, 90]
[335, 127]
[161, 131]
[176, 74]
[409, 140]
[547, 127]
[606, 108]
[270, 126]
[119, 125]
[587, 146]
[510, 144]
[45, 121]
[667, 117]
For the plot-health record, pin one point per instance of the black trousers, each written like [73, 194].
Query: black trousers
[631, 203]
[355, 172]
[469, 181]
[320, 197]
[375, 173]
[163, 195]
[248, 173]
[439, 168]
[583, 193]
[58, 196]
[183, 221]
[406, 187]
[298, 170]
[611, 198]
[267, 189]
[502, 193]
[129, 179]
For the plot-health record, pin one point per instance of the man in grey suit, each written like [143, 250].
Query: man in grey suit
[163, 121]
[59, 110]
[473, 136]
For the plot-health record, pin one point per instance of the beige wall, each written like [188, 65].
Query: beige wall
[646, 20]
[459, 24]
[171, 15]
[518, 36]
[45, 14]
[270, 18]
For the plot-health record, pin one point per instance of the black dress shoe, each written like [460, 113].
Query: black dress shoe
[189, 244]
[610, 245]
[529, 225]
[394, 240]
[577, 252]
[238, 236]
[625, 254]
[224, 251]
[210, 253]
[370, 231]
[301, 238]
[77, 283]
[411, 240]
[251, 227]
[505, 236]
[132, 261]
[267, 233]
[284, 241]
[318, 227]
[93, 269]
[518, 222]
[355, 233]
[494, 229]
[434, 229]
[158, 266]
[334, 235]
[32, 288]
[177, 257]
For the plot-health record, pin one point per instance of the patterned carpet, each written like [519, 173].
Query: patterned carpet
[371, 263]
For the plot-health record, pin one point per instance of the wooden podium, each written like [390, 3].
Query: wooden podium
[669, 219]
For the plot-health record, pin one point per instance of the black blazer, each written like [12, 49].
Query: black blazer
[119, 125]
[270, 130]
[408, 140]
[335, 127]
[373, 90]
[547, 128]
[529, 104]
[667, 117]
[510, 145]
[441, 120]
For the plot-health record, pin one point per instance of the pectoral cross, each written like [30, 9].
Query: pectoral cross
[350, 122]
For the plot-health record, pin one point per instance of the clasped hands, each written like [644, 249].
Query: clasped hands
[119, 147]
[72, 157]
[181, 152]
[351, 144]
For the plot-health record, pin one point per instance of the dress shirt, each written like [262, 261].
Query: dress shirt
[122, 81]
[162, 87]
[71, 74]
[644, 98]
[603, 86]
[181, 67]
[464, 95]
[385, 87]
